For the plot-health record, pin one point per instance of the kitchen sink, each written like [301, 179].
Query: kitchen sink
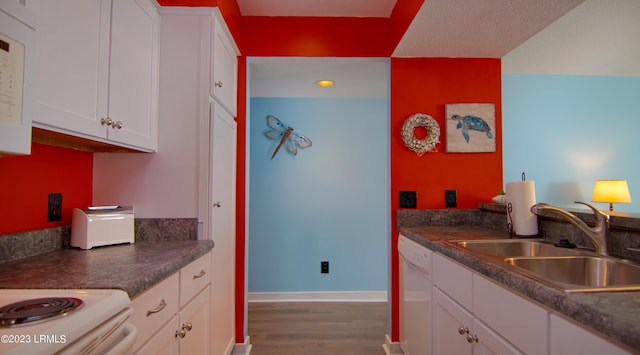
[517, 247]
[581, 273]
[569, 269]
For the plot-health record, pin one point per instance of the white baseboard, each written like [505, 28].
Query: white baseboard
[242, 349]
[323, 296]
[391, 348]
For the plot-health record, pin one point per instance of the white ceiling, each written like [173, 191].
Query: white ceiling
[477, 28]
[592, 37]
[296, 77]
[596, 38]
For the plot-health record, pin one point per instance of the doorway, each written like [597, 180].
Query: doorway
[329, 202]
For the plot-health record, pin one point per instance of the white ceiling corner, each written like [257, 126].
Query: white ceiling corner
[596, 38]
[479, 28]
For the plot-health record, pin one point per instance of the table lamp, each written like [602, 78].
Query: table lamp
[611, 191]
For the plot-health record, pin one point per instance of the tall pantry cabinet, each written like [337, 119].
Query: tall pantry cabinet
[215, 75]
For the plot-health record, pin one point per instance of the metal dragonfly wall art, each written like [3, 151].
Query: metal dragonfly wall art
[290, 139]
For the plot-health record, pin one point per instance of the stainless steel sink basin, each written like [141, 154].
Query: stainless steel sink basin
[517, 247]
[581, 273]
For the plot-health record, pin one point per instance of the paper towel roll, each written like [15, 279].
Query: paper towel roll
[521, 195]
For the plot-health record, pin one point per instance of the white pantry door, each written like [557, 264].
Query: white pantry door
[222, 228]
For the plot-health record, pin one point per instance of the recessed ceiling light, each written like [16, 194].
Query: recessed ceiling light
[324, 83]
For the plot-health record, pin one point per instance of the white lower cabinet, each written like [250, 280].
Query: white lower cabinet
[458, 331]
[475, 315]
[174, 316]
[450, 325]
[195, 325]
[164, 341]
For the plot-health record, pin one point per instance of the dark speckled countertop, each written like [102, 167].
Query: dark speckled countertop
[131, 267]
[613, 314]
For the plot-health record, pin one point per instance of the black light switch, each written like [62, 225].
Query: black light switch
[408, 199]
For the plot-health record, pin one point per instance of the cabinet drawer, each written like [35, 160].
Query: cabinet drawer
[520, 321]
[567, 337]
[194, 277]
[150, 312]
[453, 278]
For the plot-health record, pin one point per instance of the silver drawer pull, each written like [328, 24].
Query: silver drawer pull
[157, 309]
[200, 274]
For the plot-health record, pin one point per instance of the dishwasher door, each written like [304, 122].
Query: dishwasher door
[415, 297]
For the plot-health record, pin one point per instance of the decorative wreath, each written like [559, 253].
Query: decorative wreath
[421, 146]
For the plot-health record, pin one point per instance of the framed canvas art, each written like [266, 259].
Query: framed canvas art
[471, 128]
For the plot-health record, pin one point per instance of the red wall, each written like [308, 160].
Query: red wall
[27, 181]
[425, 85]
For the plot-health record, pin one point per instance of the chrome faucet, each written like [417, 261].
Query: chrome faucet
[598, 234]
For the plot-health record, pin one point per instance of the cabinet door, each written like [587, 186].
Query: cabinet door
[195, 321]
[133, 73]
[451, 323]
[72, 66]
[223, 228]
[165, 341]
[489, 342]
[224, 69]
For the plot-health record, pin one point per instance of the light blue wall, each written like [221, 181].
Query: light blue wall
[566, 131]
[330, 202]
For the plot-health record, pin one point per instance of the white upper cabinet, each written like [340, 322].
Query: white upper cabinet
[224, 67]
[96, 74]
[17, 55]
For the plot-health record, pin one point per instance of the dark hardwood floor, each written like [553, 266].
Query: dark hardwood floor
[317, 328]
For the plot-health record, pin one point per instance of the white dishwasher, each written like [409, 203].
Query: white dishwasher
[415, 297]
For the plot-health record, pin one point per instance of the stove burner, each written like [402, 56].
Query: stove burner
[38, 309]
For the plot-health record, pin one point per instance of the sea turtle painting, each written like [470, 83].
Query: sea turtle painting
[472, 123]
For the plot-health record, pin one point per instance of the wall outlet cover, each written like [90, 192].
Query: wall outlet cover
[324, 267]
[408, 199]
[54, 208]
[450, 199]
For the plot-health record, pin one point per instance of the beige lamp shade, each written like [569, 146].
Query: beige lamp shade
[611, 191]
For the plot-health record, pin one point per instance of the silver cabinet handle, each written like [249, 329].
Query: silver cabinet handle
[200, 274]
[187, 326]
[217, 204]
[180, 333]
[159, 308]
[117, 125]
[217, 84]
[106, 121]
[463, 330]
[472, 339]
